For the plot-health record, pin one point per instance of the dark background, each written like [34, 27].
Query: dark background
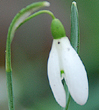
[30, 50]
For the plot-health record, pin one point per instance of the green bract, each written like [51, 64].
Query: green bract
[57, 29]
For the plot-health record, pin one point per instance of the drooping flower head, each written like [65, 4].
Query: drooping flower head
[64, 58]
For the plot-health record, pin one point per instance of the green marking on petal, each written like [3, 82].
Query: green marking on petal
[57, 29]
[62, 72]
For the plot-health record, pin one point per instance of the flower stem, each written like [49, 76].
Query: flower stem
[68, 101]
[38, 13]
[10, 90]
[9, 75]
[24, 15]
[67, 95]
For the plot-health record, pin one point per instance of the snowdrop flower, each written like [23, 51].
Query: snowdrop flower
[64, 58]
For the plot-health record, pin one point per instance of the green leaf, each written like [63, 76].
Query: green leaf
[74, 39]
[74, 27]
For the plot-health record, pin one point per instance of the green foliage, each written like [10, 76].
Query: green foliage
[74, 39]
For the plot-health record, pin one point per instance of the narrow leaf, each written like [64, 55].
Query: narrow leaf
[74, 27]
[74, 39]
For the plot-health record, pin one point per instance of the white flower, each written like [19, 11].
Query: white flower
[64, 57]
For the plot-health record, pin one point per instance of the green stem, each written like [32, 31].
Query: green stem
[10, 90]
[38, 13]
[23, 16]
[68, 101]
[9, 75]
[68, 97]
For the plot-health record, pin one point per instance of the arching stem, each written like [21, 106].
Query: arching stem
[24, 15]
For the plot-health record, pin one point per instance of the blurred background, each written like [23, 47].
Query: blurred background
[30, 51]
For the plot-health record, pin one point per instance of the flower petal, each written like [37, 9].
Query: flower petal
[55, 78]
[75, 73]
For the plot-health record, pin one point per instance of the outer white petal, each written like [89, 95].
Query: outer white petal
[75, 73]
[55, 78]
